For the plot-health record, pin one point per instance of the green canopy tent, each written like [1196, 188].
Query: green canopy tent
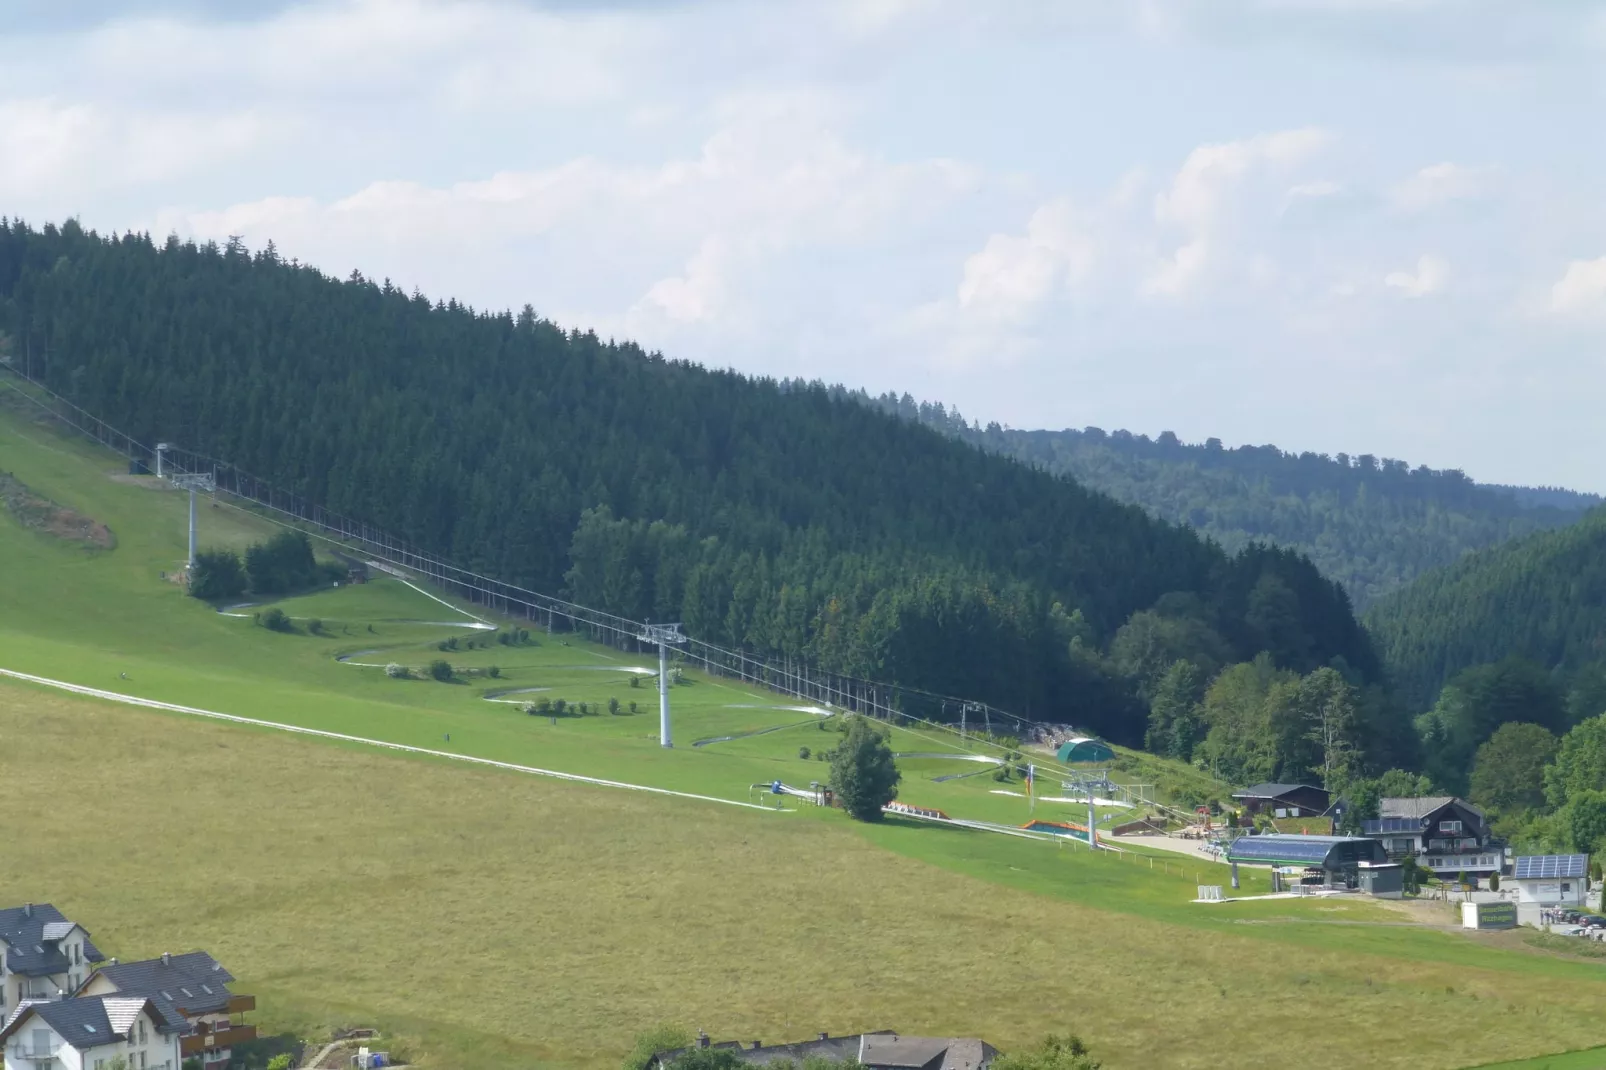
[1085, 749]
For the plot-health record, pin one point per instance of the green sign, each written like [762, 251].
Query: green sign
[1497, 915]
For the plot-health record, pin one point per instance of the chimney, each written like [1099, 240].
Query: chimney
[167, 960]
[825, 1036]
[27, 910]
[757, 1044]
[112, 961]
[702, 1039]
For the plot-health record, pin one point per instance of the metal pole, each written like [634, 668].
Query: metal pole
[1092, 818]
[192, 526]
[663, 695]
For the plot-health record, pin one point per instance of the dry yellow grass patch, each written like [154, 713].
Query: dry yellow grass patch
[489, 919]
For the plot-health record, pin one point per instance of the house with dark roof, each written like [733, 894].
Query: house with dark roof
[1441, 833]
[881, 1050]
[91, 1033]
[1285, 800]
[42, 955]
[193, 988]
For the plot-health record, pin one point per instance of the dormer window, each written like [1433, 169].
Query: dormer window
[1449, 826]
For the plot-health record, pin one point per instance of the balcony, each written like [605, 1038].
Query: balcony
[31, 1052]
[1482, 860]
[226, 1037]
[236, 1005]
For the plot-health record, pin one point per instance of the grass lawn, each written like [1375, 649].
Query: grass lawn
[485, 918]
[1593, 1059]
[494, 918]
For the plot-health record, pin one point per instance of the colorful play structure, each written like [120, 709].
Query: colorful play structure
[1058, 828]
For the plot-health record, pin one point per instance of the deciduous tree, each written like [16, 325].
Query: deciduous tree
[863, 773]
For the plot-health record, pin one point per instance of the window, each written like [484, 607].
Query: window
[141, 1061]
[142, 1030]
[1449, 826]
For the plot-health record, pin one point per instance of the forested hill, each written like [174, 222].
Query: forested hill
[790, 521]
[1542, 598]
[1373, 525]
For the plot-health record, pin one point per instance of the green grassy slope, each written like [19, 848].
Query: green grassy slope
[487, 917]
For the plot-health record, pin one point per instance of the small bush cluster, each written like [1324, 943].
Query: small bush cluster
[442, 670]
[514, 637]
[398, 672]
[275, 620]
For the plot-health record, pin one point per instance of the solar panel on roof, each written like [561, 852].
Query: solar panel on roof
[1373, 826]
[1551, 866]
[1280, 849]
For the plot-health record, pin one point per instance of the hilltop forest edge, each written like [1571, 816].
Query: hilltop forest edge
[788, 519]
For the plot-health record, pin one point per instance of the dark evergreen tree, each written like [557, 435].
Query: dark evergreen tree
[783, 518]
[1373, 525]
[217, 575]
[1542, 598]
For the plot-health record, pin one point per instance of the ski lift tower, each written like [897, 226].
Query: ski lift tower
[665, 636]
[194, 482]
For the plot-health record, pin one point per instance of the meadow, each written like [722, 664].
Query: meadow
[486, 917]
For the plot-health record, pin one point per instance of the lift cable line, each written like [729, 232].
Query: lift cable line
[790, 676]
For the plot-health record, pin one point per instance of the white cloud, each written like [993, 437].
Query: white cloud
[669, 246]
[1203, 195]
[777, 185]
[50, 148]
[1581, 289]
[1440, 184]
[1313, 190]
[1013, 273]
[1429, 277]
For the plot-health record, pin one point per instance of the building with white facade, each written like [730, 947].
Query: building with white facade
[45, 956]
[91, 1033]
[1441, 833]
[192, 988]
[1551, 880]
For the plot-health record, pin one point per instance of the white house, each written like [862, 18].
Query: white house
[45, 955]
[91, 1033]
[1444, 834]
[192, 988]
[1551, 880]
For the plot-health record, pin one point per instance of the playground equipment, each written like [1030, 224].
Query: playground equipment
[898, 807]
[817, 793]
[1058, 828]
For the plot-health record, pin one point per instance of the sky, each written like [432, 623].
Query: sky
[1368, 226]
